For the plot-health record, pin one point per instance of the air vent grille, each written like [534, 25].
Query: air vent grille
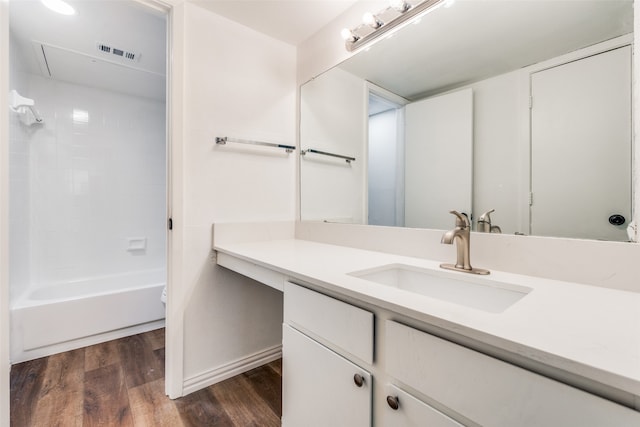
[117, 53]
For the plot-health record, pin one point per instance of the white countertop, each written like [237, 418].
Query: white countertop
[584, 330]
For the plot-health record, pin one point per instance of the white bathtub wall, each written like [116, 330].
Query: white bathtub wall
[97, 178]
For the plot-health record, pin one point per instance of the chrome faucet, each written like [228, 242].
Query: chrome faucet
[484, 223]
[461, 236]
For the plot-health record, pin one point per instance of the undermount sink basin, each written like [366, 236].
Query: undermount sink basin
[468, 290]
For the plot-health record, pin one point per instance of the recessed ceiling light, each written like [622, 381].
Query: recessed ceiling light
[59, 6]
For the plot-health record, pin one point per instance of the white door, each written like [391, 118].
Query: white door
[438, 159]
[319, 386]
[581, 148]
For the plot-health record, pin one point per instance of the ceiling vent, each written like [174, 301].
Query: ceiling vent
[116, 53]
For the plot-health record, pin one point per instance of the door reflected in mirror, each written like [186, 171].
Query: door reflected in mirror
[541, 130]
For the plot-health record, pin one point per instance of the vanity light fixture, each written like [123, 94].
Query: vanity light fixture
[59, 6]
[375, 25]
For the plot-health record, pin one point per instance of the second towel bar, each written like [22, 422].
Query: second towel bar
[348, 159]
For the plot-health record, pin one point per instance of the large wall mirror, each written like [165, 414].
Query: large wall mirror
[522, 108]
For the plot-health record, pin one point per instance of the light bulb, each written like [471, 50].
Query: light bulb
[347, 35]
[400, 5]
[59, 6]
[371, 20]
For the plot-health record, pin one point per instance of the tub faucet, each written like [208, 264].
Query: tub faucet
[461, 235]
[484, 223]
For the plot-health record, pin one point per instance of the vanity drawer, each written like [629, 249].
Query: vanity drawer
[491, 392]
[333, 322]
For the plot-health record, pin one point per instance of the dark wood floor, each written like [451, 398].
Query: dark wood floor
[121, 383]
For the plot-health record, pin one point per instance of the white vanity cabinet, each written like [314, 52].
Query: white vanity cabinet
[490, 392]
[329, 369]
[321, 386]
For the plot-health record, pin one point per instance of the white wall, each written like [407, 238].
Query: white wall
[82, 189]
[228, 81]
[334, 122]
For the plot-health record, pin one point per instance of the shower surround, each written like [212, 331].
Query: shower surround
[88, 204]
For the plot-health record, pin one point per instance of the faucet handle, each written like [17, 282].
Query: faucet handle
[485, 216]
[462, 219]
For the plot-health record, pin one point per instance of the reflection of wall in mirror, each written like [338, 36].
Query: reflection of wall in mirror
[438, 163]
[334, 121]
[499, 139]
[385, 171]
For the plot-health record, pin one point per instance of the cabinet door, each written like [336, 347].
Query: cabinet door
[319, 386]
[404, 410]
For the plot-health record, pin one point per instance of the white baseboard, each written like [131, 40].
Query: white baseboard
[36, 353]
[231, 369]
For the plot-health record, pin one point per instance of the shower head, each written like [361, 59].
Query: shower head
[20, 105]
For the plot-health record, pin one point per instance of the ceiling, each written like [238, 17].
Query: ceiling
[291, 21]
[66, 47]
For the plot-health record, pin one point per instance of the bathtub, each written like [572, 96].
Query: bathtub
[65, 316]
